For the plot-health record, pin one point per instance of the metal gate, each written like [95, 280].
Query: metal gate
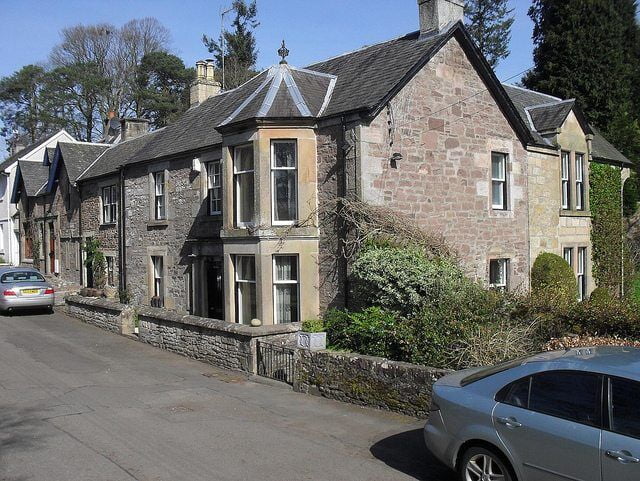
[276, 362]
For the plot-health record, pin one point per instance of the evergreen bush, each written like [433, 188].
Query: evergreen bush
[553, 279]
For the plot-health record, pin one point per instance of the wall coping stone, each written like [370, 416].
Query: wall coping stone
[166, 315]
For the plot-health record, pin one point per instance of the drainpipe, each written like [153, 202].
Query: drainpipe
[122, 263]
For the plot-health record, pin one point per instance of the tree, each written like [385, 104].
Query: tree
[582, 50]
[21, 101]
[489, 23]
[163, 87]
[240, 53]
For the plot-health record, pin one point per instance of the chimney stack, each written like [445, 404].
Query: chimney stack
[205, 85]
[130, 128]
[437, 14]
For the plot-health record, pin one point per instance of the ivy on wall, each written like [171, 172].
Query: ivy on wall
[605, 184]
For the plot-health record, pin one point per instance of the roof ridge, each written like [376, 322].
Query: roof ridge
[364, 47]
[296, 95]
[550, 104]
[241, 107]
[530, 90]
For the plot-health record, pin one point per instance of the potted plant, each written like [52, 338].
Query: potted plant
[312, 336]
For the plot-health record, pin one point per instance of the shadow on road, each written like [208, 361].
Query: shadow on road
[407, 453]
[19, 430]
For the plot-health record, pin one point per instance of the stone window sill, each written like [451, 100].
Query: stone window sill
[108, 224]
[574, 213]
[158, 223]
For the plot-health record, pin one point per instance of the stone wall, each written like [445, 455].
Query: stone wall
[97, 312]
[226, 345]
[367, 381]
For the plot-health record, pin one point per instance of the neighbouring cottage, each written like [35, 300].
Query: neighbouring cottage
[221, 214]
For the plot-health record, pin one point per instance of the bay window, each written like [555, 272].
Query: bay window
[160, 196]
[579, 181]
[246, 302]
[284, 180]
[498, 181]
[285, 289]
[565, 166]
[243, 172]
[109, 204]
[214, 187]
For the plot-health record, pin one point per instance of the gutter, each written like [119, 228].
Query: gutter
[122, 263]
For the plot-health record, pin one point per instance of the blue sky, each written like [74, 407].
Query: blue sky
[313, 30]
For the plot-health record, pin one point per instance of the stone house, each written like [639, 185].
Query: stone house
[222, 214]
[9, 216]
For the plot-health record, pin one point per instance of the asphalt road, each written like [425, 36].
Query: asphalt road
[78, 403]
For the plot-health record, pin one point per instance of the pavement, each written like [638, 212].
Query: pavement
[79, 403]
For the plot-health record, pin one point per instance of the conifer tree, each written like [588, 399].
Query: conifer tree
[489, 23]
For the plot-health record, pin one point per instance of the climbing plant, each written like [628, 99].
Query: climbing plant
[607, 226]
[95, 261]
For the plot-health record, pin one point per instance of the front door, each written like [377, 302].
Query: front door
[215, 291]
[553, 431]
[52, 249]
[621, 442]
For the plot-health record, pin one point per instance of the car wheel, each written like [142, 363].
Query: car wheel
[480, 464]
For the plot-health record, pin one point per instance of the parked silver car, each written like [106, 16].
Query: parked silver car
[24, 288]
[562, 415]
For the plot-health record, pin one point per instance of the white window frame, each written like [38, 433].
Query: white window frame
[273, 181]
[581, 273]
[236, 175]
[214, 187]
[160, 195]
[238, 281]
[109, 204]
[503, 284]
[110, 262]
[565, 179]
[157, 265]
[580, 191]
[277, 283]
[567, 255]
[501, 181]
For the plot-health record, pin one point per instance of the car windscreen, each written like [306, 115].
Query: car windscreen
[491, 370]
[21, 276]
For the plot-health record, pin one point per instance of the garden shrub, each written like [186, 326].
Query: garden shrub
[371, 332]
[600, 296]
[313, 325]
[605, 317]
[99, 268]
[631, 195]
[553, 279]
[403, 279]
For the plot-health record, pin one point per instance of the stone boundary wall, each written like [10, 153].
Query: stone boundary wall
[226, 345]
[368, 381]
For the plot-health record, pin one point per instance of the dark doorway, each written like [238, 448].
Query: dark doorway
[52, 248]
[215, 291]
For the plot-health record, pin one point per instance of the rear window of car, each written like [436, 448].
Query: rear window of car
[491, 370]
[623, 407]
[21, 276]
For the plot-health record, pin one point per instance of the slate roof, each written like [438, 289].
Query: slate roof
[34, 176]
[544, 112]
[26, 151]
[550, 116]
[77, 156]
[601, 149]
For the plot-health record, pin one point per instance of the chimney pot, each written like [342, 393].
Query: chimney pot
[205, 85]
[437, 14]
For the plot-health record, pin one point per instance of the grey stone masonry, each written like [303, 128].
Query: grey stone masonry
[97, 312]
[367, 381]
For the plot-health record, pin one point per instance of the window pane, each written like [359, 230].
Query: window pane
[497, 166]
[569, 395]
[498, 272]
[285, 154]
[286, 303]
[286, 195]
[246, 292]
[515, 394]
[497, 194]
[579, 168]
[286, 268]
[565, 165]
[625, 416]
[568, 255]
[246, 268]
[243, 159]
[245, 197]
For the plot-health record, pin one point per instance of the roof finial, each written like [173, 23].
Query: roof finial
[284, 53]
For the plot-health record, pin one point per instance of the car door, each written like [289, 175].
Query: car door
[550, 424]
[621, 438]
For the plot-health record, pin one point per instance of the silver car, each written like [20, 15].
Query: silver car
[562, 415]
[24, 288]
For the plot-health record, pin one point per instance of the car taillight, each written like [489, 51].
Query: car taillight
[8, 292]
[49, 290]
